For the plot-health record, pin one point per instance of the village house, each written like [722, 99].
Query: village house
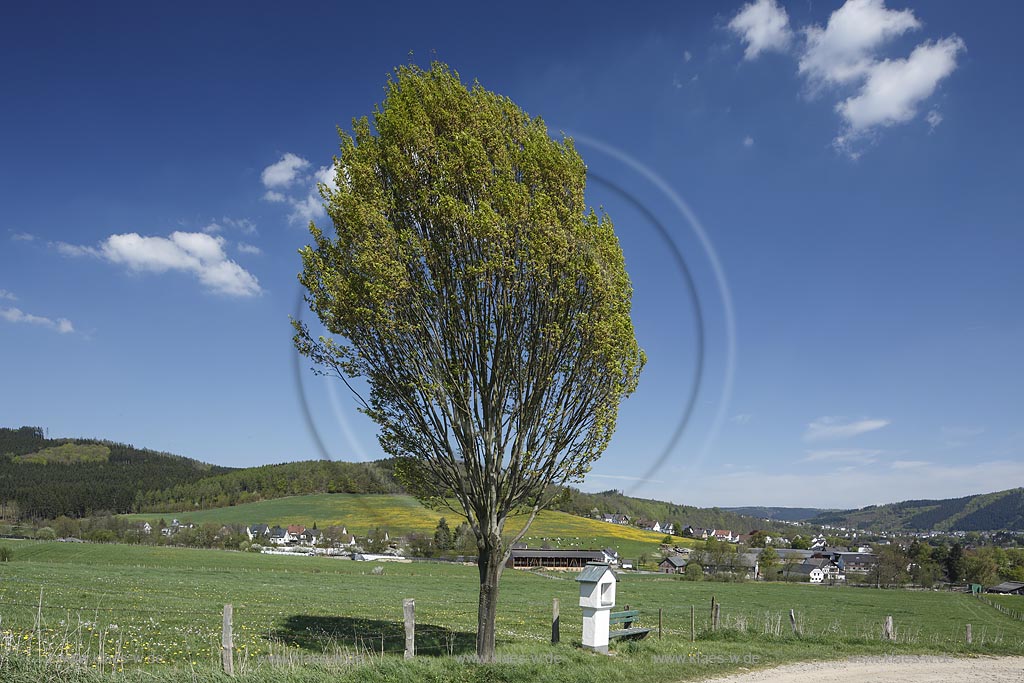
[855, 562]
[673, 564]
[616, 519]
[744, 565]
[278, 536]
[805, 570]
[1008, 588]
[648, 525]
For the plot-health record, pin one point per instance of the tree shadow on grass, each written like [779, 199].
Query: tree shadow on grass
[324, 634]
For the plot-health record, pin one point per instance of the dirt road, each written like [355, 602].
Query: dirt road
[892, 669]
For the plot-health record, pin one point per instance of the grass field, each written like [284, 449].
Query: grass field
[403, 514]
[153, 609]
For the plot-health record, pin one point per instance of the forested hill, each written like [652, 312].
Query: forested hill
[45, 478]
[272, 481]
[982, 512]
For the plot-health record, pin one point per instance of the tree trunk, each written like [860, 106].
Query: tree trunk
[490, 566]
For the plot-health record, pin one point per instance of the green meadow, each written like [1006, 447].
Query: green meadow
[143, 613]
[400, 515]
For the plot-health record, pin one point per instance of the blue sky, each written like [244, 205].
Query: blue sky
[854, 171]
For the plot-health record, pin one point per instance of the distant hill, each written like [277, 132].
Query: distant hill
[44, 478]
[613, 501]
[779, 513]
[403, 514]
[981, 512]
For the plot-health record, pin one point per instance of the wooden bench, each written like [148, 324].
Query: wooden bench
[626, 618]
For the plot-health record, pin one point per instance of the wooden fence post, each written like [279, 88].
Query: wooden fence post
[659, 623]
[716, 618]
[555, 626]
[409, 611]
[693, 625]
[227, 643]
[888, 630]
[970, 638]
[792, 622]
[713, 603]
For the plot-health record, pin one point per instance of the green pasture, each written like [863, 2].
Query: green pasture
[158, 609]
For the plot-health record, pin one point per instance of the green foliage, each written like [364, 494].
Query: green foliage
[693, 572]
[471, 287]
[801, 543]
[769, 563]
[6, 554]
[443, 539]
[67, 454]
[45, 534]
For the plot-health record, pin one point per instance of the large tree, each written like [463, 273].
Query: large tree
[483, 305]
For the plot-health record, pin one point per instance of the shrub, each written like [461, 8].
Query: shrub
[6, 553]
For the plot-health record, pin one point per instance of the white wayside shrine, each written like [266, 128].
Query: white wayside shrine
[597, 596]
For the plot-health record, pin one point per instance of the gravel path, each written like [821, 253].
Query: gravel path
[892, 669]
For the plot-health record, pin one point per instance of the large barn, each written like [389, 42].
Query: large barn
[528, 558]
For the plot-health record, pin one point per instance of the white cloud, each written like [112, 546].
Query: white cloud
[4, 294]
[23, 237]
[284, 172]
[327, 176]
[748, 141]
[197, 253]
[687, 56]
[908, 464]
[895, 87]
[741, 419]
[213, 228]
[831, 428]
[74, 250]
[242, 225]
[845, 58]
[855, 455]
[16, 315]
[306, 209]
[934, 118]
[249, 248]
[290, 172]
[763, 25]
[844, 50]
